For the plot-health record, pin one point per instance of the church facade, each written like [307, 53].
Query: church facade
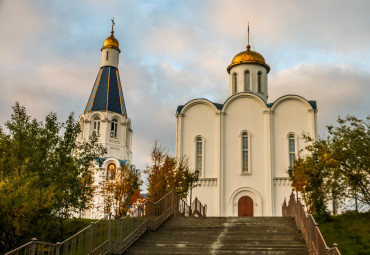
[244, 147]
[106, 115]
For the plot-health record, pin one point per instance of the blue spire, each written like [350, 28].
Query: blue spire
[106, 94]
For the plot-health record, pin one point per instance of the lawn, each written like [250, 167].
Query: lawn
[351, 231]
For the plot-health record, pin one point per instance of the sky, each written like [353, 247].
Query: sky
[176, 51]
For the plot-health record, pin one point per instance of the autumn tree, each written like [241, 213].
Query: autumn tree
[121, 192]
[42, 177]
[166, 174]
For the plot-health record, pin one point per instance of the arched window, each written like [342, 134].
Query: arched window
[259, 82]
[235, 83]
[245, 152]
[247, 85]
[113, 128]
[291, 150]
[97, 125]
[111, 171]
[199, 154]
[107, 55]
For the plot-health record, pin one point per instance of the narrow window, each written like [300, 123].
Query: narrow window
[199, 154]
[245, 152]
[113, 128]
[247, 85]
[259, 82]
[291, 150]
[235, 84]
[111, 172]
[107, 56]
[97, 125]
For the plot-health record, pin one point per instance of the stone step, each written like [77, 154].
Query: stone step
[218, 235]
[221, 250]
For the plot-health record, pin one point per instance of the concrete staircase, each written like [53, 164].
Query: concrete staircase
[245, 235]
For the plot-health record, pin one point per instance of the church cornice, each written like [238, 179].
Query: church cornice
[270, 107]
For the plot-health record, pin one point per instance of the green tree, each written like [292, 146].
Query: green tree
[45, 175]
[350, 145]
[336, 167]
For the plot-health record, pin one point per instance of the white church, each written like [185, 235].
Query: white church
[244, 147]
[106, 114]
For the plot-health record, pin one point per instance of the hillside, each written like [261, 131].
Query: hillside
[351, 231]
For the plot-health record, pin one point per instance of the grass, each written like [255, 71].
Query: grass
[351, 231]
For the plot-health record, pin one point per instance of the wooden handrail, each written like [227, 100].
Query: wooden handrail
[306, 224]
[112, 234]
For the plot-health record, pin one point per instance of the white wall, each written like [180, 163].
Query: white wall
[253, 69]
[244, 113]
[223, 183]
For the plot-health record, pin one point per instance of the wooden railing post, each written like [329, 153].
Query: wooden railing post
[57, 248]
[34, 240]
[109, 232]
[91, 236]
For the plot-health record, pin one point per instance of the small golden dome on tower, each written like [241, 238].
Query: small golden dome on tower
[248, 56]
[111, 42]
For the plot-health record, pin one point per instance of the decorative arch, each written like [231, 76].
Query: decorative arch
[194, 102]
[94, 115]
[250, 192]
[117, 117]
[110, 161]
[300, 99]
[253, 96]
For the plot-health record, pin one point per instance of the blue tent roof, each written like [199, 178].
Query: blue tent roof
[106, 94]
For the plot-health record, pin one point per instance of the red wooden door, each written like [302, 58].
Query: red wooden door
[245, 206]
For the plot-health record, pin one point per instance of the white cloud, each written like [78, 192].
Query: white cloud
[174, 51]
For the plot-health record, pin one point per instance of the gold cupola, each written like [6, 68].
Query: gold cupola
[248, 57]
[111, 42]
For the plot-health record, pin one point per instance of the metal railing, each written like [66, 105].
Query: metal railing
[309, 228]
[112, 235]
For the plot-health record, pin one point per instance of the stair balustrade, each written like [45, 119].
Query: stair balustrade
[306, 223]
[113, 235]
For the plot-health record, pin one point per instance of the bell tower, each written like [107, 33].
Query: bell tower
[105, 112]
[248, 73]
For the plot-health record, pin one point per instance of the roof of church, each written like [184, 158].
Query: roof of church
[269, 105]
[106, 94]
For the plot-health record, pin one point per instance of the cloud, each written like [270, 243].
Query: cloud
[175, 51]
[339, 90]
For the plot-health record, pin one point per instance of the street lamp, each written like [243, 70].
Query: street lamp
[290, 172]
[193, 180]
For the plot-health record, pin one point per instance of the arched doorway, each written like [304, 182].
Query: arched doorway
[245, 206]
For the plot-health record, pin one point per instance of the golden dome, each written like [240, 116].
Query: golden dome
[248, 56]
[111, 42]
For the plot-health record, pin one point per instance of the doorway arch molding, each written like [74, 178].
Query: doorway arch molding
[246, 191]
